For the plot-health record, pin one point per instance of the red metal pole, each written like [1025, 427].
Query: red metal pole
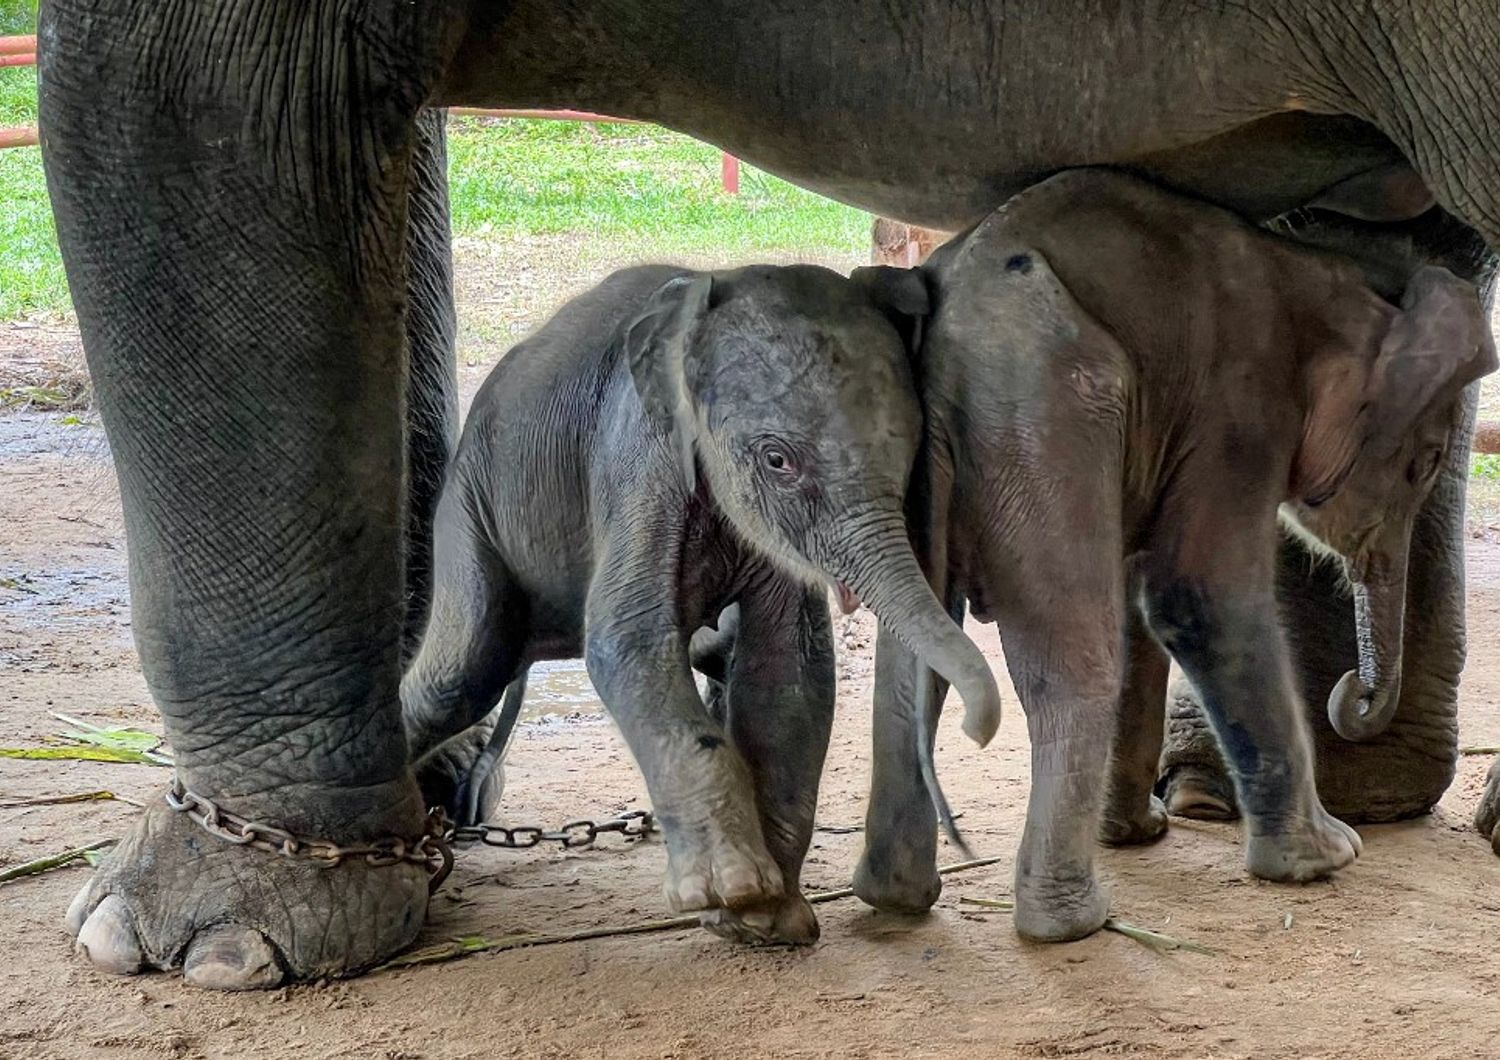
[17, 60]
[17, 137]
[18, 45]
[729, 172]
[555, 115]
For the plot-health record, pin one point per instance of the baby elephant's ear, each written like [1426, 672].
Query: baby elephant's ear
[901, 294]
[1367, 401]
[658, 341]
[1440, 343]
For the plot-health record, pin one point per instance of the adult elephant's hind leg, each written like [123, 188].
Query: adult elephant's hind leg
[233, 229]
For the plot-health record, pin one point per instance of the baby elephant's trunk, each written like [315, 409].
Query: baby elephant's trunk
[1364, 701]
[895, 588]
[898, 593]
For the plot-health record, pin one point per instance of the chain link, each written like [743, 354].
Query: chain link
[430, 849]
[572, 835]
[433, 849]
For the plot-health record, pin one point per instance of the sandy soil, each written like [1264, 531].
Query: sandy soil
[1396, 955]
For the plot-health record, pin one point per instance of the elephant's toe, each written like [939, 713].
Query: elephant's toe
[1198, 793]
[79, 909]
[108, 938]
[1487, 816]
[790, 922]
[231, 957]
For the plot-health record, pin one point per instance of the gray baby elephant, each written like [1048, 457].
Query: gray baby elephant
[670, 446]
[1122, 388]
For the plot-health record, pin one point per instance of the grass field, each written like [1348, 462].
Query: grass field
[620, 184]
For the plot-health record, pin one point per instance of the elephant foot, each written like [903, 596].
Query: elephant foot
[1313, 847]
[1059, 910]
[1122, 828]
[902, 881]
[721, 870]
[1487, 816]
[464, 776]
[1193, 781]
[1198, 792]
[789, 922]
[238, 918]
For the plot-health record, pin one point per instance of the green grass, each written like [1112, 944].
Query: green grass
[1485, 465]
[31, 273]
[17, 16]
[514, 178]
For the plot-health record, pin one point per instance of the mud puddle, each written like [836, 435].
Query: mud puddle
[559, 689]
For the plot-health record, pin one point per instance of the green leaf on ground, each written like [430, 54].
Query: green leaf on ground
[53, 861]
[82, 754]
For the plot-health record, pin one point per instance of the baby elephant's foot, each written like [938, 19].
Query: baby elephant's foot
[903, 881]
[1306, 849]
[1123, 828]
[722, 871]
[1198, 793]
[789, 922]
[1060, 910]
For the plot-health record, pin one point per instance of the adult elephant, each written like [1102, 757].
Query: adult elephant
[250, 200]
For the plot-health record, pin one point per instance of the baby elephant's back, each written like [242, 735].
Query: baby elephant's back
[530, 439]
[1164, 271]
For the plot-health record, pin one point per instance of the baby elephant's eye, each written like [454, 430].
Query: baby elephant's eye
[775, 460]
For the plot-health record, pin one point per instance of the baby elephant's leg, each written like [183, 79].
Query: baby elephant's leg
[470, 650]
[779, 697]
[1132, 813]
[1065, 664]
[700, 786]
[897, 871]
[1229, 643]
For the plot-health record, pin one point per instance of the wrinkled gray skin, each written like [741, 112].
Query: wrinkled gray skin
[669, 445]
[251, 207]
[1122, 386]
[1414, 755]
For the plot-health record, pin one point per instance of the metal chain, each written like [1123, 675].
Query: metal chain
[430, 849]
[571, 835]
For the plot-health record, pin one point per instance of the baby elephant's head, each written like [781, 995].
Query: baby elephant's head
[789, 391]
[1375, 439]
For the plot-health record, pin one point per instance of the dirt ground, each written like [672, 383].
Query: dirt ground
[1399, 954]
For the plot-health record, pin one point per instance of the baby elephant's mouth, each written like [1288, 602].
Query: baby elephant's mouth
[848, 602]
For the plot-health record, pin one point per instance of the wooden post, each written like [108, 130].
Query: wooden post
[902, 245]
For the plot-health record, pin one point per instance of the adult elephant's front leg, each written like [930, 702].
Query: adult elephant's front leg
[232, 208]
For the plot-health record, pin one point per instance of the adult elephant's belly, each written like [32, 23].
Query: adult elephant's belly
[1260, 169]
[936, 113]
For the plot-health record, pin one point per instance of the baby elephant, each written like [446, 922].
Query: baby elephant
[1122, 388]
[670, 446]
